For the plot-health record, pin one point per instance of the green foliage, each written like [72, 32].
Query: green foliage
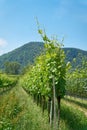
[12, 68]
[7, 81]
[77, 81]
[49, 66]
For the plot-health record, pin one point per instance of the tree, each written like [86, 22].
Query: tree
[12, 68]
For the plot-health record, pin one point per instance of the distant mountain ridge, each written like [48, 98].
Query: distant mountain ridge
[26, 54]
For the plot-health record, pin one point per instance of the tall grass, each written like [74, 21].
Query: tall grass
[19, 112]
[80, 102]
[73, 118]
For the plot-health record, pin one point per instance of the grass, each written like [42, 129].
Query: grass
[77, 103]
[19, 112]
[74, 118]
[10, 111]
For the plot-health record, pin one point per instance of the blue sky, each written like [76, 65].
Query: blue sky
[61, 18]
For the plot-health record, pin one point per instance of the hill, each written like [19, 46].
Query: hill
[74, 53]
[26, 54]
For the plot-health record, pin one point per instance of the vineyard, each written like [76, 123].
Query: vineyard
[7, 82]
[50, 83]
[51, 78]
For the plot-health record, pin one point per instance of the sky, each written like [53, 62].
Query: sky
[61, 18]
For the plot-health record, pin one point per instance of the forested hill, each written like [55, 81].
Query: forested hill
[26, 54]
[74, 53]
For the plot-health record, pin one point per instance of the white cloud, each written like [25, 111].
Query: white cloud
[3, 42]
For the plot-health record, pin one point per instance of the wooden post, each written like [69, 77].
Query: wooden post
[51, 113]
[54, 98]
[58, 101]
